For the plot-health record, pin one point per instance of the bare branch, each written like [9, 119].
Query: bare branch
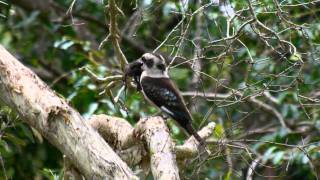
[114, 33]
[252, 168]
[251, 99]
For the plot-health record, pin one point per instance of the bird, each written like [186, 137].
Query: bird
[160, 91]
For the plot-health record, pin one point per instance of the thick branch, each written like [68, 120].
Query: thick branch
[116, 131]
[119, 134]
[127, 140]
[70, 173]
[64, 127]
[154, 132]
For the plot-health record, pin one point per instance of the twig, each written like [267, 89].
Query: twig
[252, 168]
[101, 79]
[251, 99]
[271, 110]
[292, 47]
[236, 35]
[114, 35]
[197, 63]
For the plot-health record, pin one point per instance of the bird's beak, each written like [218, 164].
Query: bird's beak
[137, 63]
[134, 68]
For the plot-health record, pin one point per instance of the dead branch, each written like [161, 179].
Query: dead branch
[197, 63]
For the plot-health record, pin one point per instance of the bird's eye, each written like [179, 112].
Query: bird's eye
[149, 63]
[162, 67]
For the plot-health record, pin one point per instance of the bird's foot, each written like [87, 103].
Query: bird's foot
[163, 116]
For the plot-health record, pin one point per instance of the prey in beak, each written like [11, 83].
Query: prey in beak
[134, 70]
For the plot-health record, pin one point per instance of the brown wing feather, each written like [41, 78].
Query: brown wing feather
[163, 93]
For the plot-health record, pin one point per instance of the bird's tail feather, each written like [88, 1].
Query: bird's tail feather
[193, 132]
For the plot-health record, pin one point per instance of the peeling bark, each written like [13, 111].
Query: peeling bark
[64, 127]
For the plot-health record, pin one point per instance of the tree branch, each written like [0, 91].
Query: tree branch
[64, 127]
[114, 11]
[190, 148]
[127, 142]
[120, 135]
[252, 99]
[154, 132]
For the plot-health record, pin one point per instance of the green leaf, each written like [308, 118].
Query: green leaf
[278, 156]
[14, 139]
[295, 57]
[219, 131]
[268, 153]
[305, 159]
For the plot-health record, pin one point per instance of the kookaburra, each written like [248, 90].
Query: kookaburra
[151, 75]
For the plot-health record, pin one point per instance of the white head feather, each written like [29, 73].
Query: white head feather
[153, 66]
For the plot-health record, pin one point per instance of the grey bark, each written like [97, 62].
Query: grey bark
[64, 127]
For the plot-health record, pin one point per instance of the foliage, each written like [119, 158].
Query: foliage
[256, 61]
